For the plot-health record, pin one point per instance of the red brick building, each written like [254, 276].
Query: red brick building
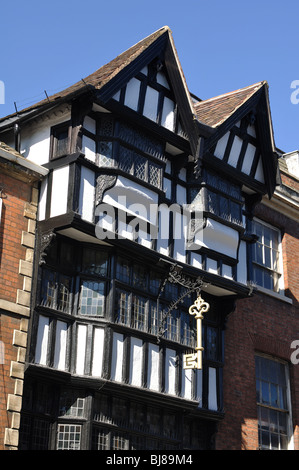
[266, 325]
[18, 203]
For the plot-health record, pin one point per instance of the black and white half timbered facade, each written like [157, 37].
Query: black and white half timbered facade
[147, 207]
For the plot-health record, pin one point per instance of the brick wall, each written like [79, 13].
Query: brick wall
[17, 238]
[260, 324]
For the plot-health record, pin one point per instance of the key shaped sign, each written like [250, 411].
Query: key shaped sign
[194, 360]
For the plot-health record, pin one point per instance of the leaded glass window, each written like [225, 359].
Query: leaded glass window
[139, 312]
[94, 262]
[68, 437]
[92, 298]
[56, 290]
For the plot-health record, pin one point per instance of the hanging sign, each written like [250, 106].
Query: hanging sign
[194, 360]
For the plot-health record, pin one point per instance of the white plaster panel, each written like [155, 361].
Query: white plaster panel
[98, 351]
[218, 237]
[117, 357]
[87, 194]
[42, 340]
[134, 199]
[153, 367]
[151, 103]
[167, 187]
[221, 146]
[227, 271]
[132, 94]
[235, 151]
[42, 200]
[60, 345]
[163, 235]
[187, 375]
[180, 234]
[89, 148]
[59, 193]
[211, 266]
[136, 359]
[161, 78]
[89, 124]
[170, 371]
[196, 260]
[81, 349]
[259, 174]
[181, 194]
[167, 119]
[248, 159]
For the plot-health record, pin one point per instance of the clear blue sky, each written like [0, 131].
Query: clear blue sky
[222, 46]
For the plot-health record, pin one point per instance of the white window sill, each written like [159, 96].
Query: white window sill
[273, 294]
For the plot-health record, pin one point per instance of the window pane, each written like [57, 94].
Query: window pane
[123, 270]
[139, 313]
[123, 314]
[92, 298]
[48, 291]
[64, 293]
[271, 393]
[94, 262]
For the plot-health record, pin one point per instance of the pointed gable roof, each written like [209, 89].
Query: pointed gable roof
[222, 112]
[108, 79]
[214, 111]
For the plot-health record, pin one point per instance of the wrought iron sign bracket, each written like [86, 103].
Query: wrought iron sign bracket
[176, 276]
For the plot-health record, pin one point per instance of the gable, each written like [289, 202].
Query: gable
[239, 148]
[150, 94]
[242, 142]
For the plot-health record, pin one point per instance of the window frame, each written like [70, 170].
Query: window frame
[278, 272]
[55, 130]
[287, 411]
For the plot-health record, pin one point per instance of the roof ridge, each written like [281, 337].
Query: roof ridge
[255, 85]
[83, 82]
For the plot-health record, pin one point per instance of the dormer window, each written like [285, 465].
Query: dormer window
[60, 141]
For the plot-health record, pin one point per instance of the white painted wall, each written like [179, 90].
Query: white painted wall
[42, 200]
[81, 349]
[35, 138]
[87, 194]
[60, 345]
[170, 371]
[117, 357]
[235, 151]
[153, 367]
[151, 103]
[218, 237]
[59, 194]
[42, 340]
[136, 362]
[187, 376]
[98, 352]
[132, 93]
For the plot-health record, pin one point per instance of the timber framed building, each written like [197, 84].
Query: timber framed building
[148, 203]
